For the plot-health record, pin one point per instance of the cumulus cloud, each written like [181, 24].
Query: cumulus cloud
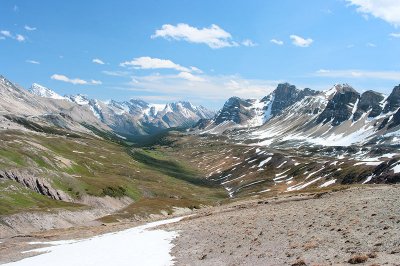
[214, 36]
[33, 62]
[98, 61]
[388, 10]
[364, 74]
[395, 35]
[277, 42]
[189, 76]
[6, 33]
[146, 62]
[28, 28]
[248, 43]
[20, 38]
[75, 81]
[300, 41]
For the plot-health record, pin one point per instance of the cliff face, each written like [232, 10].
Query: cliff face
[340, 106]
[370, 101]
[393, 101]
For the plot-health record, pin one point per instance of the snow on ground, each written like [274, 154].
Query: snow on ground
[396, 169]
[368, 179]
[135, 246]
[264, 162]
[328, 183]
[368, 163]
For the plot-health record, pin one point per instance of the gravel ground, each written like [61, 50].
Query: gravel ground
[358, 225]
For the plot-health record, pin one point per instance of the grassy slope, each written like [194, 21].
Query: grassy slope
[98, 167]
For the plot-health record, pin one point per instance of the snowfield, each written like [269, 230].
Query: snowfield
[135, 246]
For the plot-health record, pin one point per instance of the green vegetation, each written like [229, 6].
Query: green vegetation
[88, 165]
[15, 198]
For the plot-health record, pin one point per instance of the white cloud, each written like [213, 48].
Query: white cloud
[20, 38]
[147, 62]
[364, 74]
[189, 76]
[277, 42]
[395, 35]
[249, 43]
[195, 69]
[6, 33]
[96, 82]
[214, 36]
[300, 41]
[33, 62]
[28, 28]
[98, 61]
[75, 81]
[116, 73]
[209, 88]
[370, 44]
[388, 10]
[15, 8]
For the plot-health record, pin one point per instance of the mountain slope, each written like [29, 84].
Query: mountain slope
[339, 116]
[42, 91]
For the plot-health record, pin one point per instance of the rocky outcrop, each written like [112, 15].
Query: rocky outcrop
[370, 101]
[395, 120]
[235, 110]
[393, 101]
[340, 106]
[286, 94]
[37, 184]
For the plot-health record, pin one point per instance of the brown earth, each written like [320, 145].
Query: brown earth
[329, 228]
[353, 225]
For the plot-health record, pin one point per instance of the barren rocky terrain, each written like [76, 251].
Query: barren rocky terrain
[357, 225]
[343, 226]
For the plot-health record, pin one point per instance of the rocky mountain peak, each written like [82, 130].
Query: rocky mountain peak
[393, 101]
[45, 92]
[370, 101]
[235, 109]
[340, 105]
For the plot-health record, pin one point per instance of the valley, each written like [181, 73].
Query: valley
[67, 171]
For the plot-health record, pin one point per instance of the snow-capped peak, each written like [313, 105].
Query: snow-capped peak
[79, 99]
[42, 91]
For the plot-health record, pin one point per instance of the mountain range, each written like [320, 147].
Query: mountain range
[126, 118]
[124, 158]
[340, 116]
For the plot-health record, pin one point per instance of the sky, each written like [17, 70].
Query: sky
[203, 51]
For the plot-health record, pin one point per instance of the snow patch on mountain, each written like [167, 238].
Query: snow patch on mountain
[42, 91]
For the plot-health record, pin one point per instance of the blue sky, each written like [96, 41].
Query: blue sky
[203, 51]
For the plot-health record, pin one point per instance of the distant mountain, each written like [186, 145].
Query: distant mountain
[133, 117]
[339, 116]
[42, 91]
[250, 113]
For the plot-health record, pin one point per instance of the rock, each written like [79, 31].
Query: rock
[37, 184]
[369, 101]
[236, 110]
[340, 106]
[393, 101]
[286, 94]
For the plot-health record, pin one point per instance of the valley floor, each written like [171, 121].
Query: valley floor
[317, 228]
